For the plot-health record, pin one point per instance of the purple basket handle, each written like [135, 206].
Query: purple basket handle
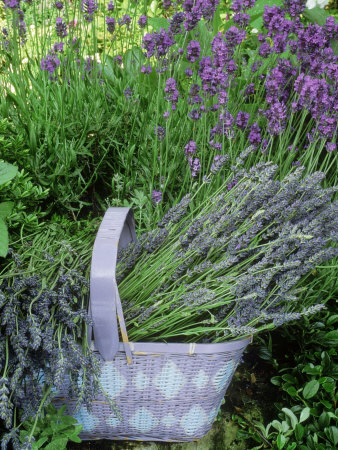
[117, 229]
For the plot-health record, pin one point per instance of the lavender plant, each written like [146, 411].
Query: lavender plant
[230, 266]
[43, 299]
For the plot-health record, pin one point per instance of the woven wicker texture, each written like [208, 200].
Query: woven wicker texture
[164, 397]
[163, 392]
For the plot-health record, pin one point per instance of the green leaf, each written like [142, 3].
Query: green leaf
[316, 15]
[7, 172]
[291, 416]
[3, 238]
[324, 420]
[305, 414]
[331, 338]
[310, 389]
[74, 438]
[40, 442]
[332, 319]
[57, 444]
[291, 390]
[332, 433]
[299, 432]
[133, 60]
[281, 440]
[158, 22]
[310, 369]
[68, 420]
[5, 209]
[277, 425]
[276, 381]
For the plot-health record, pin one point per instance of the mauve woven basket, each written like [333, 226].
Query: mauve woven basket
[163, 392]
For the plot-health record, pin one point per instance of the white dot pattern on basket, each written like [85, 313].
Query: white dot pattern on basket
[170, 380]
[117, 381]
[112, 421]
[169, 420]
[143, 420]
[141, 381]
[87, 419]
[223, 376]
[201, 379]
[194, 419]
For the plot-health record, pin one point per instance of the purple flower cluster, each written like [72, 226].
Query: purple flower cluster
[61, 28]
[126, 20]
[156, 196]
[111, 6]
[111, 24]
[89, 7]
[242, 5]
[190, 149]
[142, 21]
[58, 5]
[160, 133]
[157, 43]
[50, 63]
[242, 120]
[193, 51]
[172, 93]
[195, 166]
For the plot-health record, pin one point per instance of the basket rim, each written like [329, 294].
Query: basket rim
[149, 348]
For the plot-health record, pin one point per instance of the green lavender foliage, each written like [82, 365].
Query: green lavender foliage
[7, 173]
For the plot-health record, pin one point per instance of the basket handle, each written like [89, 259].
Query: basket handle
[117, 229]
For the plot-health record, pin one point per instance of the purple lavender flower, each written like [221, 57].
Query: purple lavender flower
[242, 5]
[146, 69]
[58, 47]
[172, 92]
[142, 21]
[166, 4]
[88, 7]
[126, 20]
[58, 5]
[188, 72]
[249, 90]
[193, 14]
[265, 50]
[12, 4]
[331, 146]
[166, 114]
[50, 63]
[111, 6]
[276, 115]
[194, 114]
[218, 163]
[128, 93]
[255, 135]
[193, 51]
[242, 120]
[61, 28]
[195, 166]
[294, 8]
[118, 59]
[190, 148]
[156, 196]
[241, 19]
[111, 23]
[234, 36]
[160, 133]
[157, 43]
[175, 23]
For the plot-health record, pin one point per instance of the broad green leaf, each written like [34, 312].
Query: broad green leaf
[324, 420]
[332, 319]
[275, 381]
[312, 370]
[281, 440]
[316, 15]
[3, 238]
[333, 435]
[133, 60]
[299, 431]
[68, 420]
[74, 437]
[277, 425]
[5, 209]
[310, 389]
[291, 416]
[7, 172]
[331, 338]
[158, 22]
[305, 414]
[57, 444]
[291, 390]
[40, 442]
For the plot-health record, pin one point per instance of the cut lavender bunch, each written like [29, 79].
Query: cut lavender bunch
[233, 265]
[43, 318]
